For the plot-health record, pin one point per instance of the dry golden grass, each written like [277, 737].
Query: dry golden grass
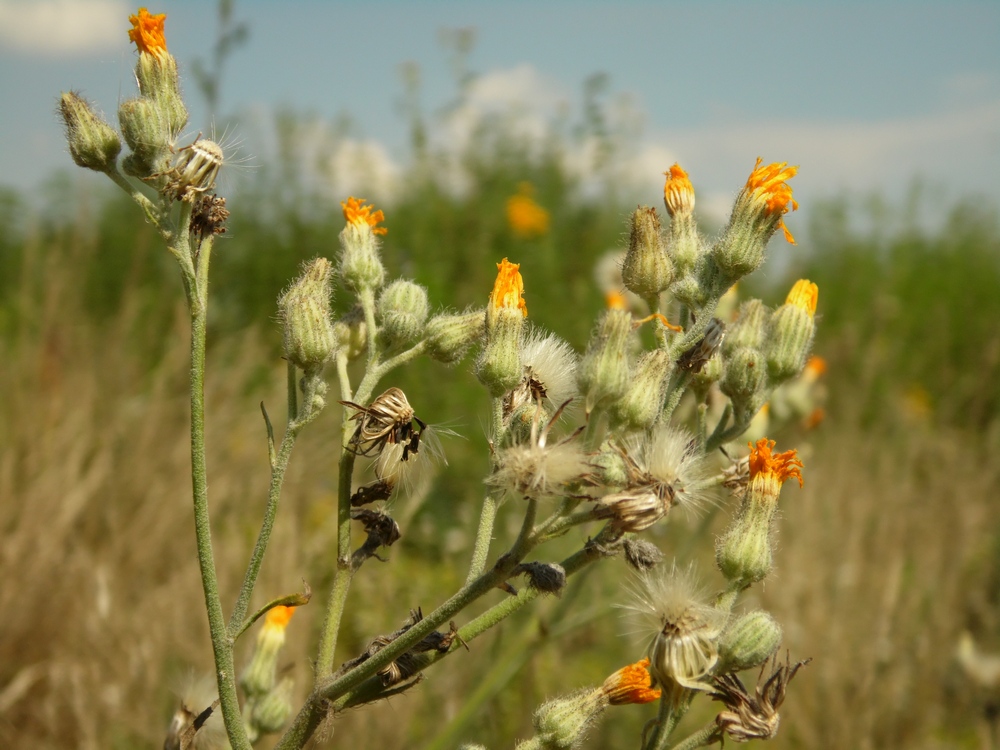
[889, 552]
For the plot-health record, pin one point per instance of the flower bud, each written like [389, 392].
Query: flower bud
[689, 288]
[792, 328]
[744, 377]
[604, 371]
[352, 332]
[258, 677]
[684, 246]
[499, 365]
[309, 340]
[562, 724]
[748, 641]
[640, 407]
[749, 328]
[360, 262]
[93, 144]
[756, 216]
[146, 133]
[610, 467]
[271, 711]
[743, 553]
[647, 270]
[403, 310]
[449, 336]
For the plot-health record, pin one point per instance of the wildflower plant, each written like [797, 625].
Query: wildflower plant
[594, 440]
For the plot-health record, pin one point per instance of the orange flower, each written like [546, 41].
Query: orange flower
[775, 467]
[357, 213]
[804, 294]
[815, 367]
[630, 684]
[767, 185]
[615, 301]
[524, 216]
[508, 289]
[277, 618]
[147, 32]
[678, 192]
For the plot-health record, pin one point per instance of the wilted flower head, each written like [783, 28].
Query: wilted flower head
[684, 645]
[631, 684]
[753, 717]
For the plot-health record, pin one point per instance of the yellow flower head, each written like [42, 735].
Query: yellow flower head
[508, 289]
[804, 294]
[524, 216]
[357, 213]
[147, 32]
[630, 684]
[775, 467]
[678, 192]
[768, 185]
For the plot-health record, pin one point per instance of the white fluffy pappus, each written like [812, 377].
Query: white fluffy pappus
[668, 458]
[552, 363]
[538, 468]
[683, 627]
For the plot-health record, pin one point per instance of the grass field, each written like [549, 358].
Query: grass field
[887, 555]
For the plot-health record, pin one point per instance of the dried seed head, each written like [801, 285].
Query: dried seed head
[640, 554]
[388, 420]
[209, 216]
[632, 510]
[753, 717]
[548, 578]
[537, 467]
[194, 170]
[195, 696]
[549, 372]
[668, 461]
[684, 646]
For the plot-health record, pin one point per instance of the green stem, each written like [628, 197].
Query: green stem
[679, 380]
[707, 735]
[484, 535]
[344, 573]
[292, 386]
[672, 710]
[221, 643]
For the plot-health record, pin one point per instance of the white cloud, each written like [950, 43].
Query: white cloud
[62, 27]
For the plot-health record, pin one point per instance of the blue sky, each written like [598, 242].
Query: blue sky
[865, 97]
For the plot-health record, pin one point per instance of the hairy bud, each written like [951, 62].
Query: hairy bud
[93, 144]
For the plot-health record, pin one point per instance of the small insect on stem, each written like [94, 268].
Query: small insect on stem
[388, 420]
